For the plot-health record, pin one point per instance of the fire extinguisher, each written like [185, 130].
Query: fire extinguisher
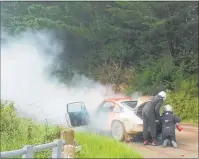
[179, 127]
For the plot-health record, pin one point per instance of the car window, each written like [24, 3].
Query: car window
[139, 110]
[117, 109]
[74, 107]
[107, 107]
[141, 107]
[131, 104]
[108, 104]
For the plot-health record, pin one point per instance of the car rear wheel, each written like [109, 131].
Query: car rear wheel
[118, 131]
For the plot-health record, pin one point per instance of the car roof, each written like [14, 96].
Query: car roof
[141, 99]
[119, 99]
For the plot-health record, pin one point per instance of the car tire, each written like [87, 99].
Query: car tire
[118, 131]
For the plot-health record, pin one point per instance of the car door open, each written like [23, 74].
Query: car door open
[77, 114]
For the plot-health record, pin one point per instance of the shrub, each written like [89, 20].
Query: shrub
[185, 100]
[17, 132]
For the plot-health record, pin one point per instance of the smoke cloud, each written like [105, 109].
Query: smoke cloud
[25, 80]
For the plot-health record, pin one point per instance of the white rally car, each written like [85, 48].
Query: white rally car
[121, 117]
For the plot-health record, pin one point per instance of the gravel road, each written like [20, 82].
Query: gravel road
[187, 142]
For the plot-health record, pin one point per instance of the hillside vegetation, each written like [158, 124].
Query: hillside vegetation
[143, 46]
[17, 132]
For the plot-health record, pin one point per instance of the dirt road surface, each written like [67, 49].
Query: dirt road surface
[187, 146]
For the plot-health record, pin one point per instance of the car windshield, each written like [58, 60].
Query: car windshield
[131, 104]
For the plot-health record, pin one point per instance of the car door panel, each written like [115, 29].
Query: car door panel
[104, 115]
[113, 116]
[77, 114]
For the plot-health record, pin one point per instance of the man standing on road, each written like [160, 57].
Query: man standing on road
[151, 115]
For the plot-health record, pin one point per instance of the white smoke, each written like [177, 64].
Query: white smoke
[136, 95]
[25, 60]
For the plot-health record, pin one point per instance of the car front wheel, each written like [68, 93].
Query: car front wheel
[118, 131]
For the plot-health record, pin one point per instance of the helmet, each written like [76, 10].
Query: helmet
[163, 95]
[168, 108]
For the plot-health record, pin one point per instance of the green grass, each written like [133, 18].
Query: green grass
[191, 122]
[17, 132]
[95, 146]
[38, 135]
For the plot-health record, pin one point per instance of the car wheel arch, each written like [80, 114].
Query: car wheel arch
[119, 122]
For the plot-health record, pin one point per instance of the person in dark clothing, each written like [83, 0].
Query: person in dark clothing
[151, 115]
[169, 122]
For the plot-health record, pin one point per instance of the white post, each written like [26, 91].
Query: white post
[56, 151]
[29, 151]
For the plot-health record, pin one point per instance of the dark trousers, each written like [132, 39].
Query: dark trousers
[170, 137]
[149, 122]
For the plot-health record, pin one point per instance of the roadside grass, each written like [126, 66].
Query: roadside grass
[95, 146]
[16, 132]
[29, 134]
[190, 122]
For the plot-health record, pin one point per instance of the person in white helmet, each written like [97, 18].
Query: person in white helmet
[151, 115]
[169, 122]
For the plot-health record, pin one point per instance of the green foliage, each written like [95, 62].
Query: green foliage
[138, 35]
[155, 76]
[17, 132]
[94, 146]
[185, 100]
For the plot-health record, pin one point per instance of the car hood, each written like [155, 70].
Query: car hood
[131, 117]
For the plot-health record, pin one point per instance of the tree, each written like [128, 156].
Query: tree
[147, 45]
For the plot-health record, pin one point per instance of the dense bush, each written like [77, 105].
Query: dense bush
[185, 100]
[17, 132]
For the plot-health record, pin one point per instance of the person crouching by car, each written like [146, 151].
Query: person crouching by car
[169, 121]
